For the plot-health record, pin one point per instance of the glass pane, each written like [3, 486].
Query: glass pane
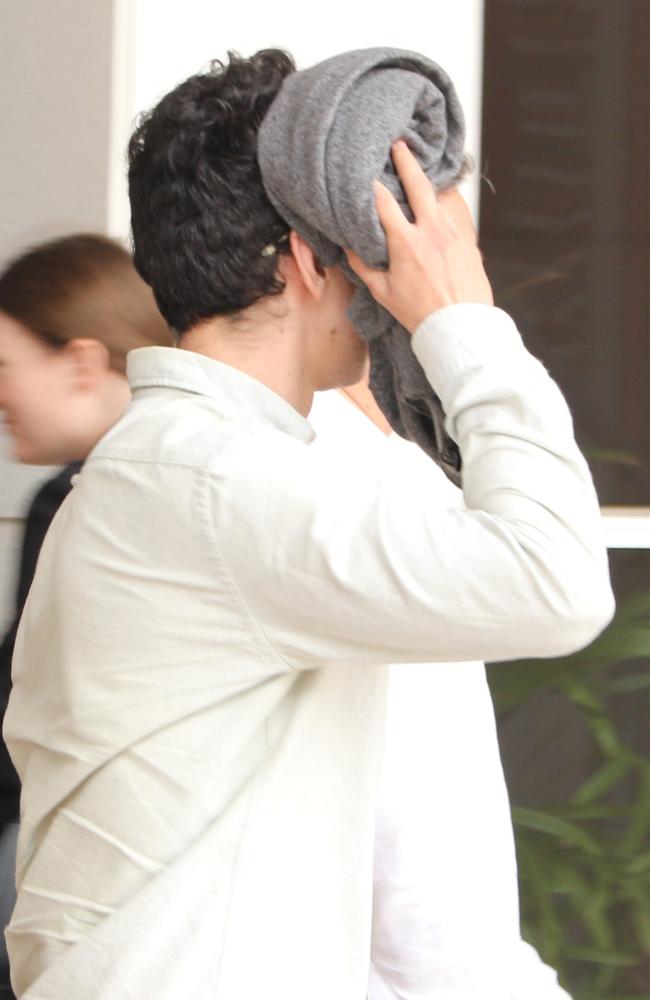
[575, 743]
[566, 234]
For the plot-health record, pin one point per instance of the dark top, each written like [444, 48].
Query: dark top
[43, 508]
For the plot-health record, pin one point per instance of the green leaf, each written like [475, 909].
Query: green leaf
[595, 919]
[605, 734]
[581, 695]
[514, 684]
[638, 832]
[642, 918]
[635, 607]
[585, 864]
[601, 956]
[602, 780]
[613, 456]
[628, 642]
[555, 826]
[592, 810]
[616, 996]
[628, 684]
[637, 865]
[567, 880]
[605, 976]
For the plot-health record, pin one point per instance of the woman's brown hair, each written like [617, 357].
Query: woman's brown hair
[83, 286]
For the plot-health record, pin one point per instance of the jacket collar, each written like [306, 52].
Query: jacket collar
[236, 394]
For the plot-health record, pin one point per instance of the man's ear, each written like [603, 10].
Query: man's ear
[308, 268]
[90, 361]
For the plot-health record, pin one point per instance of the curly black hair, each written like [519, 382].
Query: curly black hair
[200, 217]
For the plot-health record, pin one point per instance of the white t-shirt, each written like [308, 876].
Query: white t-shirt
[445, 912]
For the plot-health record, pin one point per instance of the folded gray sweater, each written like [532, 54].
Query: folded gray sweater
[324, 139]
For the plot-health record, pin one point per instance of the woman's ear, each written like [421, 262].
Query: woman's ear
[309, 269]
[90, 361]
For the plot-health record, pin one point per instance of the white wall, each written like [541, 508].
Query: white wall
[55, 101]
[55, 61]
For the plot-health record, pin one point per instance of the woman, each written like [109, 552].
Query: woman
[70, 310]
[445, 908]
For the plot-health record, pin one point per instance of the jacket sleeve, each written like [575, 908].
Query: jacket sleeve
[42, 509]
[347, 569]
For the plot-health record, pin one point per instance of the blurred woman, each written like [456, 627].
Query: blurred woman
[70, 310]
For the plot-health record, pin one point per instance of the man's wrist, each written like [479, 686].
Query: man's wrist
[455, 338]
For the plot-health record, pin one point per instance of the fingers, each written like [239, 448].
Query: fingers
[393, 221]
[398, 229]
[417, 186]
[390, 214]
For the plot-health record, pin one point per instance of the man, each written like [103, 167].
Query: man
[199, 677]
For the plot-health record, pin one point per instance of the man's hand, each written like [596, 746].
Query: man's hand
[432, 262]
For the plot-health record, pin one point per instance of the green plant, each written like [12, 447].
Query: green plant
[584, 864]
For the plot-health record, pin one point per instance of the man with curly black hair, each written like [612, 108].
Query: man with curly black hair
[200, 217]
[200, 671]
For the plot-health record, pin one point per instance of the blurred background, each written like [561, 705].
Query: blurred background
[557, 100]
[565, 226]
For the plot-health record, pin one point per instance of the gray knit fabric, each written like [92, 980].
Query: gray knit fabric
[326, 136]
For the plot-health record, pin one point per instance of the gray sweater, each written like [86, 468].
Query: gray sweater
[325, 138]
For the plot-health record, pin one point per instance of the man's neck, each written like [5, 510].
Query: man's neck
[270, 354]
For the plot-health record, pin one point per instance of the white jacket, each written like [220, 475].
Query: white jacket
[199, 675]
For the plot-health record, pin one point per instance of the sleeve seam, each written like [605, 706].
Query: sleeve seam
[205, 480]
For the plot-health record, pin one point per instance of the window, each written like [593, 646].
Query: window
[566, 236]
[566, 146]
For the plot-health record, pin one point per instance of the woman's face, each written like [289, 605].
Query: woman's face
[35, 385]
